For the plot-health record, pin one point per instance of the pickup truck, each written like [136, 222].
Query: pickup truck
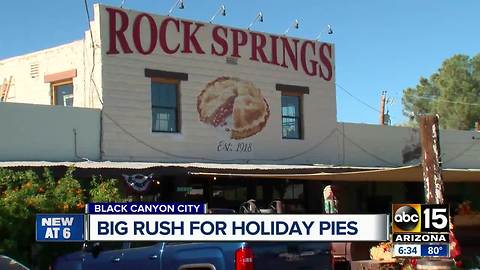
[201, 256]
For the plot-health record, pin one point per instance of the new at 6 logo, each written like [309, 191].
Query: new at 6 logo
[416, 218]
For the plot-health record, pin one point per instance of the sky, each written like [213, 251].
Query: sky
[379, 44]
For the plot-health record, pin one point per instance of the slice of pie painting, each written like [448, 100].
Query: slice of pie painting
[234, 104]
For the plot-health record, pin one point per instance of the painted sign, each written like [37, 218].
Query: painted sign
[174, 36]
[234, 105]
[228, 103]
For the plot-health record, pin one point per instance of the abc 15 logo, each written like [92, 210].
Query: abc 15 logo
[419, 218]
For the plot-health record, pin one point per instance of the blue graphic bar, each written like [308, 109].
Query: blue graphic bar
[146, 208]
[59, 227]
[441, 250]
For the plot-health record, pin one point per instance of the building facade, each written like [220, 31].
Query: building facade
[177, 90]
[206, 106]
[194, 91]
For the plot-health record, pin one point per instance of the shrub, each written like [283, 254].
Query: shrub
[26, 193]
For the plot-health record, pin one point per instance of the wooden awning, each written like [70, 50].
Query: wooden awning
[315, 172]
[400, 174]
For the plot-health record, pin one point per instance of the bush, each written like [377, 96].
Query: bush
[25, 193]
[105, 191]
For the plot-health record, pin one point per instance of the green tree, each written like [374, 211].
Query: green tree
[453, 92]
[26, 193]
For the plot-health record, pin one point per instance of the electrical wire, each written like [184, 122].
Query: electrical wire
[461, 153]
[210, 159]
[311, 148]
[358, 99]
[92, 80]
[363, 102]
[439, 99]
[366, 151]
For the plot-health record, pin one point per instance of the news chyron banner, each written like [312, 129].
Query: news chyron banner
[188, 222]
[74, 227]
[245, 227]
[421, 230]
[60, 227]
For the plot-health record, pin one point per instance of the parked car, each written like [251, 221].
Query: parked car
[200, 256]
[7, 263]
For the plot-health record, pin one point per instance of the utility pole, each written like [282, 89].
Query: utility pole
[382, 107]
[431, 163]
[433, 182]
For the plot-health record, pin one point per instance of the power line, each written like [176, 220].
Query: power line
[311, 148]
[366, 151]
[123, 129]
[93, 52]
[463, 152]
[439, 99]
[363, 102]
[358, 99]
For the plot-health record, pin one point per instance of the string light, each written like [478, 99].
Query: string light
[222, 10]
[295, 25]
[178, 3]
[258, 18]
[329, 31]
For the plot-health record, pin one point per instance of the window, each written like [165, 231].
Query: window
[289, 192]
[61, 85]
[292, 196]
[165, 107]
[62, 93]
[190, 192]
[293, 192]
[230, 193]
[291, 116]
[227, 196]
[165, 91]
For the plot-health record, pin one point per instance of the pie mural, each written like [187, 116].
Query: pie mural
[234, 104]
